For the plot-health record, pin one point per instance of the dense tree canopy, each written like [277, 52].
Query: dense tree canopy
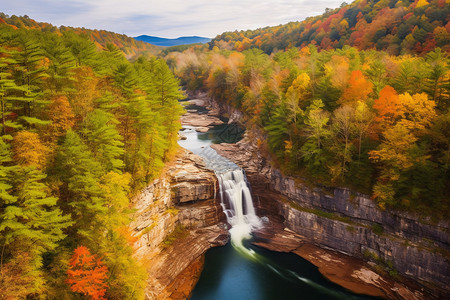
[82, 129]
[365, 119]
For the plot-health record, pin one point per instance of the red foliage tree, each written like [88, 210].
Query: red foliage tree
[87, 274]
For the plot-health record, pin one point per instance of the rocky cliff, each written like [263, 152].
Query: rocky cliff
[177, 219]
[348, 222]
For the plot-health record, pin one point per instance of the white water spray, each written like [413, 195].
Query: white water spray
[237, 203]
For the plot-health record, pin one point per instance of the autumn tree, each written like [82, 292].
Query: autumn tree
[358, 88]
[87, 274]
[62, 117]
[418, 111]
[29, 150]
[394, 155]
[388, 106]
[297, 94]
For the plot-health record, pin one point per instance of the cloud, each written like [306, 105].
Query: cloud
[169, 18]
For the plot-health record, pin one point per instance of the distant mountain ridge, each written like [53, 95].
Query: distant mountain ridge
[184, 40]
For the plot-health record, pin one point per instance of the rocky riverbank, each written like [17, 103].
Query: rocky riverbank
[177, 220]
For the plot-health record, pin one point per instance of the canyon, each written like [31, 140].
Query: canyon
[354, 243]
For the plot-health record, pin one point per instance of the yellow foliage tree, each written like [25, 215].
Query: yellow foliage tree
[393, 155]
[418, 111]
[61, 115]
[421, 3]
[29, 150]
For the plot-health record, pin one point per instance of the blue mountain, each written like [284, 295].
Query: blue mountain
[184, 40]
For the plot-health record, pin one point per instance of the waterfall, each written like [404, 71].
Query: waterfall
[235, 196]
[237, 203]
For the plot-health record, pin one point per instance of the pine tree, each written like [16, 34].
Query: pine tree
[82, 196]
[30, 224]
[30, 72]
[82, 48]
[9, 90]
[62, 63]
[165, 87]
[33, 218]
[104, 140]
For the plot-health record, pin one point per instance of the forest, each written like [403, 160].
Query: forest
[365, 119]
[82, 129]
[397, 27]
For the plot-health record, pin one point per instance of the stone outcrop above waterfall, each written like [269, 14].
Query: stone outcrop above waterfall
[202, 123]
[348, 222]
[177, 220]
[190, 182]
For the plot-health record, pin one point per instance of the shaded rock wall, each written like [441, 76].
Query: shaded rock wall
[346, 221]
[413, 245]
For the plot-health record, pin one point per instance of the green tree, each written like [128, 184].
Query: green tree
[79, 172]
[10, 92]
[103, 138]
[316, 122]
[31, 222]
[342, 127]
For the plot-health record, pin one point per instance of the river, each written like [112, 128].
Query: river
[241, 270]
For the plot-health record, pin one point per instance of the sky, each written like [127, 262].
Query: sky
[168, 18]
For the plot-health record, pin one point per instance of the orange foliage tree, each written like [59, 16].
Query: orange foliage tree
[388, 106]
[87, 274]
[358, 88]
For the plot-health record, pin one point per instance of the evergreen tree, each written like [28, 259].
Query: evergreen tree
[62, 63]
[105, 141]
[10, 92]
[30, 73]
[81, 194]
[30, 224]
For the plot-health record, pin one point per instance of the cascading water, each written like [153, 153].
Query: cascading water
[235, 196]
[237, 203]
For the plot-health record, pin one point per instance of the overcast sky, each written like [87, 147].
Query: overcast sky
[168, 18]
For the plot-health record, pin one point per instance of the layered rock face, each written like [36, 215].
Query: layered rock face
[177, 220]
[348, 222]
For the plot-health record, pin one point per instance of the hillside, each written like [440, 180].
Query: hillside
[184, 40]
[82, 130]
[397, 27]
[129, 46]
[373, 121]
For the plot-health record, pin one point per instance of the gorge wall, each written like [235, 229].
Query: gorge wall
[176, 220]
[348, 222]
